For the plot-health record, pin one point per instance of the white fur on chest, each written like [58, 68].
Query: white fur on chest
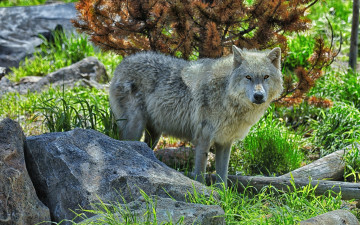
[234, 128]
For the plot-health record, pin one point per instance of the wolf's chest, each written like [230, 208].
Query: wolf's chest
[236, 128]
[229, 132]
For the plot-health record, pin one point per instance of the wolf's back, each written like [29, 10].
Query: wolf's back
[149, 65]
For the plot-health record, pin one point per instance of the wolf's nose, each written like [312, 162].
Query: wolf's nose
[258, 97]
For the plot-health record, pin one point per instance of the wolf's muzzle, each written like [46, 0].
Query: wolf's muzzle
[258, 98]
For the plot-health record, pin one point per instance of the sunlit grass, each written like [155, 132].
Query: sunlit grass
[10, 3]
[64, 51]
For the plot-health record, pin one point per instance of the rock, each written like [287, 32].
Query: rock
[6, 86]
[20, 28]
[2, 72]
[73, 169]
[18, 201]
[167, 211]
[30, 80]
[89, 72]
[337, 217]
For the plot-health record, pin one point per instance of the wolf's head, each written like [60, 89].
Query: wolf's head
[256, 77]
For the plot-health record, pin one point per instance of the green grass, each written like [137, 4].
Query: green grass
[339, 13]
[269, 149]
[61, 110]
[337, 128]
[352, 165]
[10, 3]
[64, 110]
[115, 213]
[299, 53]
[269, 205]
[339, 86]
[21, 108]
[64, 51]
[266, 206]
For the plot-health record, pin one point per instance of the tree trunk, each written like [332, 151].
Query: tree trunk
[348, 190]
[330, 167]
[354, 36]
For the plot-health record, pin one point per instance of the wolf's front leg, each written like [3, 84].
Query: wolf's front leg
[201, 154]
[222, 157]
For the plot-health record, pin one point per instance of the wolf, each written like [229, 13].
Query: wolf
[210, 102]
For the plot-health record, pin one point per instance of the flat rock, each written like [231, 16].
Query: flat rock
[30, 80]
[18, 201]
[20, 28]
[167, 210]
[76, 168]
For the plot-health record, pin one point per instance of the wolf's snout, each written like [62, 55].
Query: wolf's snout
[259, 98]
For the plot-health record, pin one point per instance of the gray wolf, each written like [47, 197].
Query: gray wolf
[210, 102]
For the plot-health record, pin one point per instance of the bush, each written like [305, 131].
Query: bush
[337, 128]
[270, 148]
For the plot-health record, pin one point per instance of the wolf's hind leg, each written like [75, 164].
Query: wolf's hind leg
[151, 137]
[222, 157]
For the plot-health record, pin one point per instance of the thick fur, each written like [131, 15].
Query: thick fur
[210, 102]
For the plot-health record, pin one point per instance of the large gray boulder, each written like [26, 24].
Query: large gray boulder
[18, 201]
[21, 26]
[165, 210]
[73, 169]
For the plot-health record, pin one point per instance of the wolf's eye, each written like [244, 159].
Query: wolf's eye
[266, 77]
[248, 77]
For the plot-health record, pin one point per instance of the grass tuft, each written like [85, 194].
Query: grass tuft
[269, 149]
[65, 110]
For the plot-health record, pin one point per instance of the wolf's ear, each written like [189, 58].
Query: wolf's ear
[238, 56]
[275, 57]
